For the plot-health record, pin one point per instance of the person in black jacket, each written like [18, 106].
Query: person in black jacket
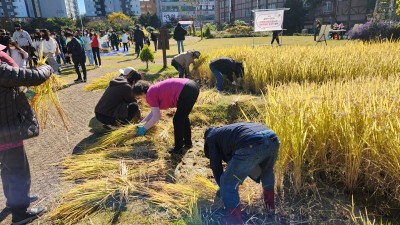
[153, 38]
[249, 149]
[227, 66]
[179, 36]
[77, 52]
[138, 38]
[114, 41]
[17, 123]
[118, 104]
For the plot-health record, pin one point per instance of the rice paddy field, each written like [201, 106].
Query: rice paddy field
[335, 108]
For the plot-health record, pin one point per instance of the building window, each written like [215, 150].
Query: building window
[272, 6]
[327, 7]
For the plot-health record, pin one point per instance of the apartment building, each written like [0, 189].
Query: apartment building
[39, 8]
[148, 6]
[101, 8]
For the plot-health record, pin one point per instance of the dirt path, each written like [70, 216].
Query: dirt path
[55, 143]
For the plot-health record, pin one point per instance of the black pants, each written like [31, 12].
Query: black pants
[80, 62]
[138, 47]
[275, 36]
[186, 101]
[126, 47]
[115, 46]
[133, 110]
[155, 45]
[96, 55]
[182, 71]
[16, 178]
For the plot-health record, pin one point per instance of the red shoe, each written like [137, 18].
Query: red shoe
[269, 199]
[234, 217]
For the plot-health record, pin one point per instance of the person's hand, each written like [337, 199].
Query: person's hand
[141, 131]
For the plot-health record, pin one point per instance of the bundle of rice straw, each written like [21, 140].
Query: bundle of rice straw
[101, 83]
[46, 99]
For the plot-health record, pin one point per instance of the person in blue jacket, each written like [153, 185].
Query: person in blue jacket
[249, 149]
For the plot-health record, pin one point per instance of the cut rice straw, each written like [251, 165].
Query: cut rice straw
[46, 98]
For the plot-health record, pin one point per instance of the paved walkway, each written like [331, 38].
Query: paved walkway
[48, 150]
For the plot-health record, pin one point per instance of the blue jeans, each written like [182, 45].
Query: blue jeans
[244, 162]
[219, 77]
[16, 179]
[180, 43]
[61, 56]
[89, 54]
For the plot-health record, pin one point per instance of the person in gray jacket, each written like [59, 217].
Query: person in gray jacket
[17, 123]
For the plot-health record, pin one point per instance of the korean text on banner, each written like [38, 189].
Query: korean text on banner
[268, 20]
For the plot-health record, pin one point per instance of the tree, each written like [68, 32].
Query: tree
[120, 21]
[147, 55]
[149, 20]
[98, 25]
[294, 18]
[198, 13]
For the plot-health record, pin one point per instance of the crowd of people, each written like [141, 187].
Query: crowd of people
[249, 149]
[67, 47]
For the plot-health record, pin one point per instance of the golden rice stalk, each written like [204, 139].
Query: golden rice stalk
[101, 82]
[46, 99]
[117, 138]
[127, 179]
[178, 198]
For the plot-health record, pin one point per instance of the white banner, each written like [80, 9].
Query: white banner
[268, 20]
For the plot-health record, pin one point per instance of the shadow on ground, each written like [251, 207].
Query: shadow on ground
[97, 130]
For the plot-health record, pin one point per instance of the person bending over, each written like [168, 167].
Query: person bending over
[179, 93]
[182, 62]
[249, 149]
[226, 66]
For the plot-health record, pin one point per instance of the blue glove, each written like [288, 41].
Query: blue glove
[141, 131]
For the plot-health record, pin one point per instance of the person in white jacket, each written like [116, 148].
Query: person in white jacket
[49, 46]
[88, 47]
[19, 55]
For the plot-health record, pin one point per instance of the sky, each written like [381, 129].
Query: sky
[81, 4]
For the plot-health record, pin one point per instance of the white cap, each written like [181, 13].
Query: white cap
[127, 71]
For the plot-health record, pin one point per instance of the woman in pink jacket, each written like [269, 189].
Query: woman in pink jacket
[179, 93]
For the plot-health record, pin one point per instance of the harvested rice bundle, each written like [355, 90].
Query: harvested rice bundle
[46, 99]
[101, 82]
[178, 198]
[117, 138]
[110, 190]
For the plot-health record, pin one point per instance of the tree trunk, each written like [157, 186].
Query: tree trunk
[147, 64]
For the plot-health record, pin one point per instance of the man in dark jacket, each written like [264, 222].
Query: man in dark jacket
[138, 38]
[179, 36]
[77, 52]
[249, 149]
[226, 66]
[114, 41]
[118, 104]
[17, 123]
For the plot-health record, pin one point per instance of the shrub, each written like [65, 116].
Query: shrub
[240, 29]
[375, 30]
[147, 55]
[207, 33]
